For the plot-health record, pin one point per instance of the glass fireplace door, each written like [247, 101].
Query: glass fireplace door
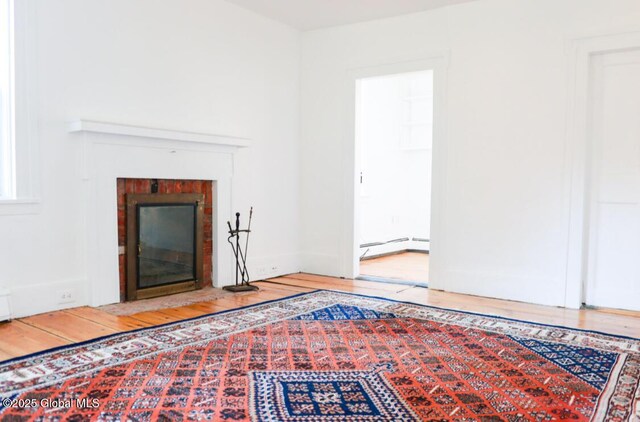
[164, 244]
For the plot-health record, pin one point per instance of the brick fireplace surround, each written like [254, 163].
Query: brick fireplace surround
[165, 186]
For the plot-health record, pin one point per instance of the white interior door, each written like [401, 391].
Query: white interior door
[613, 269]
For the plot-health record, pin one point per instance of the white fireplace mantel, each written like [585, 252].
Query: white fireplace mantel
[111, 151]
[156, 133]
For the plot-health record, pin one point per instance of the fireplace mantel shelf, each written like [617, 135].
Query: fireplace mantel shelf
[148, 132]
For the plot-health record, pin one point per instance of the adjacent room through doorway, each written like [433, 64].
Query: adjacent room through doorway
[394, 133]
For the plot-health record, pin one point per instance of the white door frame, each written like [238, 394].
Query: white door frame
[351, 233]
[577, 157]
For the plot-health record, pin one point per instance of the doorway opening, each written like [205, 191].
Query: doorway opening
[394, 138]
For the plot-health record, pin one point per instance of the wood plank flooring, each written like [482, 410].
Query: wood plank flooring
[40, 332]
[407, 266]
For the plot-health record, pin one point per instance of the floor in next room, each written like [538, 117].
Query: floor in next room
[406, 266]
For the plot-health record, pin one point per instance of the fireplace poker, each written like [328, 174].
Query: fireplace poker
[241, 260]
[238, 246]
[237, 251]
[233, 248]
[243, 269]
[246, 243]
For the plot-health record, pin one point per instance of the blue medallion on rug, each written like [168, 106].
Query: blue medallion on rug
[344, 312]
[297, 396]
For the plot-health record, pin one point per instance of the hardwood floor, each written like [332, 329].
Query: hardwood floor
[406, 266]
[41, 332]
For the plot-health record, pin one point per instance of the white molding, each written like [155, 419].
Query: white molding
[21, 206]
[319, 263]
[112, 151]
[580, 51]
[43, 297]
[156, 133]
[500, 285]
[5, 304]
[270, 266]
[27, 158]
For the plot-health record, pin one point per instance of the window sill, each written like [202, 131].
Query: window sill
[20, 206]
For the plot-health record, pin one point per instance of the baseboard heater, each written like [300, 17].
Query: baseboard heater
[368, 245]
[399, 240]
[420, 239]
[393, 281]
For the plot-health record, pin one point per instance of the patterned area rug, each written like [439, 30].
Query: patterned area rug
[164, 302]
[329, 356]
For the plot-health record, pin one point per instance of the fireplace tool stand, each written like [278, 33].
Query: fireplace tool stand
[242, 274]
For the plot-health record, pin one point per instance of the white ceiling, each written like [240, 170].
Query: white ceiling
[314, 14]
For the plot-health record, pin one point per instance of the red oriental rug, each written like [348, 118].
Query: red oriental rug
[329, 356]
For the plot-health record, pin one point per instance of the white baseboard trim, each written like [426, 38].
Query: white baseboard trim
[271, 266]
[46, 297]
[514, 287]
[325, 264]
[5, 305]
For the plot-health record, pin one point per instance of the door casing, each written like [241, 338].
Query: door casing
[438, 62]
[577, 165]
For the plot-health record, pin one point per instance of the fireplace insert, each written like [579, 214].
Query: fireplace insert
[164, 244]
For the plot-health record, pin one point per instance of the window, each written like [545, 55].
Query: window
[417, 110]
[7, 153]
[19, 169]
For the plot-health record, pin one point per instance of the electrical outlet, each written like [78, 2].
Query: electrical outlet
[66, 296]
[261, 272]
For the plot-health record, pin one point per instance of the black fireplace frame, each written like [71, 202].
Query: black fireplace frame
[134, 202]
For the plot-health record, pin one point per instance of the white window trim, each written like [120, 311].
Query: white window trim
[407, 101]
[26, 198]
[7, 165]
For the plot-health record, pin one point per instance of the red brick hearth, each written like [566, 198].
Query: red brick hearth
[165, 186]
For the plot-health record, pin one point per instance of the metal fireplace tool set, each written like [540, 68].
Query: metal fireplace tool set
[242, 274]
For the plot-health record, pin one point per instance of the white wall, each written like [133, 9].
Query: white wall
[506, 192]
[198, 65]
[207, 66]
[396, 189]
